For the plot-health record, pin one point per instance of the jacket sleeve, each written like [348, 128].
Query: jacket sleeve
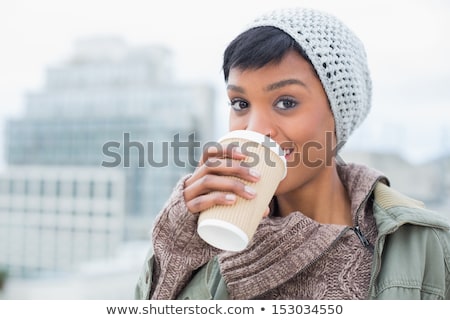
[177, 250]
[142, 289]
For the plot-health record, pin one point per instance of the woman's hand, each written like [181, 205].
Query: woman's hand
[213, 173]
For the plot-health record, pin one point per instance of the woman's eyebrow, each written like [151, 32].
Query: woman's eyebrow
[235, 88]
[283, 83]
[270, 87]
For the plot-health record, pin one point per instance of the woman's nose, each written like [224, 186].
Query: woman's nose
[262, 123]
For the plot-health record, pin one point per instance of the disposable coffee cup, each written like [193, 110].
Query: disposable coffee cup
[232, 227]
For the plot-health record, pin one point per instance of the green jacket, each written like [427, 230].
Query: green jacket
[411, 256]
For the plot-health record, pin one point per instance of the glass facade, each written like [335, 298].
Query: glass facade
[120, 108]
[40, 225]
[109, 110]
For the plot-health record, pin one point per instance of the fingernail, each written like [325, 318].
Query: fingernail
[250, 190]
[230, 197]
[254, 173]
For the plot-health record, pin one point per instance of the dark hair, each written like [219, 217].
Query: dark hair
[257, 47]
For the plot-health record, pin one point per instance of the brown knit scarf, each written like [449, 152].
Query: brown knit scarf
[291, 257]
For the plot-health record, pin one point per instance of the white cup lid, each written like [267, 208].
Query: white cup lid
[258, 138]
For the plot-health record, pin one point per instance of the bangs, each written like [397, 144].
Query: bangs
[257, 47]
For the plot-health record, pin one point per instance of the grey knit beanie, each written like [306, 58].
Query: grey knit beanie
[339, 58]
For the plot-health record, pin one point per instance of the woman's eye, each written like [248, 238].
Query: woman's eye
[285, 104]
[239, 105]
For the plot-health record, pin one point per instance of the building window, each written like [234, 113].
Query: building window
[11, 186]
[109, 190]
[74, 188]
[3, 186]
[58, 188]
[42, 188]
[91, 189]
[26, 187]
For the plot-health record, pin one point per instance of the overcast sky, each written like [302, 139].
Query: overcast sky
[407, 44]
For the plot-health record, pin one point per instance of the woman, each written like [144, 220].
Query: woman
[333, 230]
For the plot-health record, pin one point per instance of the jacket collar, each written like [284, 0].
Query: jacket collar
[393, 209]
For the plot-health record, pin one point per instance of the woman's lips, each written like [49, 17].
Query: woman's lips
[288, 149]
[288, 152]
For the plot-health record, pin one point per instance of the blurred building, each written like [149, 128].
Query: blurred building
[110, 279]
[53, 219]
[109, 107]
[428, 181]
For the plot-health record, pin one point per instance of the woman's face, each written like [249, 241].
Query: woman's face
[286, 101]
